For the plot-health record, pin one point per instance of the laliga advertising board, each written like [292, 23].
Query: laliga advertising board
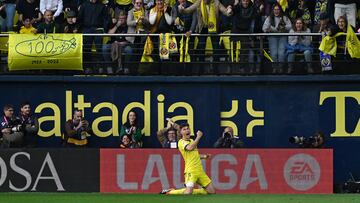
[232, 171]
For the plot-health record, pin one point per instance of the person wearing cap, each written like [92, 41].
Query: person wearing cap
[71, 25]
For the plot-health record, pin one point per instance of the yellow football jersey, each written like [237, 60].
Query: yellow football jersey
[191, 158]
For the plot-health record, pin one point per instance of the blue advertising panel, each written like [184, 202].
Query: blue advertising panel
[263, 111]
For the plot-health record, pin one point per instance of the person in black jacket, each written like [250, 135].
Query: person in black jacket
[30, 125]
[93, 18]
[244, 22]
[11, 129]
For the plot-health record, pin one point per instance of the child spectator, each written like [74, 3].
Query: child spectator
[27, 28]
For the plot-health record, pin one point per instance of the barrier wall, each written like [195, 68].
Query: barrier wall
[49, 170]
[263, 110]
[151, 170]
[232, 171]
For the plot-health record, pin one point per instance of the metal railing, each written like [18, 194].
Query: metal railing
[251, 58]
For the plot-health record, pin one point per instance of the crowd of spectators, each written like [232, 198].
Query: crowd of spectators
[187, 17]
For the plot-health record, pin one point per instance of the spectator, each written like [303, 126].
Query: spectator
[207, 23]
[160, 22]
[347, 8]
[127, 142]
[118, 45]
[277, 22]
[122, 5]
[168, 137]
[29, 9]
[77, 130]
[56, 6]
[323, 25]
[228, 140]
[184, 24]
[30, 125]
[48, 25]
[27, 28]
[11, 130]
[10, 8]
[71, 25]
[341, 54]
[93, 18]
[323, 28]
[131, 128]
[160, 18]
[320, 9]
[300, 44]
[301, 11]
[137, 22]
[244, 22]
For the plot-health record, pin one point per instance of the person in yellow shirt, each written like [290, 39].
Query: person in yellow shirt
[27, 28]
[194, 172]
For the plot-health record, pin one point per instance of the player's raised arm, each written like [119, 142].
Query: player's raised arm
[193, 145]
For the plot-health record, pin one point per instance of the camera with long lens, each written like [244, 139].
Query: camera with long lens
[297, 140]
[227, 136]
[310, 142]
[17, 128]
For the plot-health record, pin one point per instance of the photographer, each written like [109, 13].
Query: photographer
[77, 130]
[227, 140]
[11, 129]
[315, 141]
[30, 125]
[168, 136]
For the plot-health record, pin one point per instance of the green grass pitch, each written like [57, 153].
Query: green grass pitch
[155, 198]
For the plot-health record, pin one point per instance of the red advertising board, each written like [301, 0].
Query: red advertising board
[231, 170]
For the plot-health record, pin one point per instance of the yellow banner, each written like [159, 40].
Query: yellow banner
[51, 51]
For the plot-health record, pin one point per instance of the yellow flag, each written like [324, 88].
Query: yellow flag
[51, 51]
[352, 43]
[267, 56]
[284, 4]
[148, 49]
[328, 44]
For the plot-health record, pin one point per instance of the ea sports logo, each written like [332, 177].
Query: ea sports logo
[302, 172]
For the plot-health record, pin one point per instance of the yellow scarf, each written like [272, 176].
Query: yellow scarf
[154, 27]
[137, 16]
[237, 51]
[167, 45]
[164, 40]
[184, 57]
[209, 15]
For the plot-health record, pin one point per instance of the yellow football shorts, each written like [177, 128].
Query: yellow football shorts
[198, 177]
